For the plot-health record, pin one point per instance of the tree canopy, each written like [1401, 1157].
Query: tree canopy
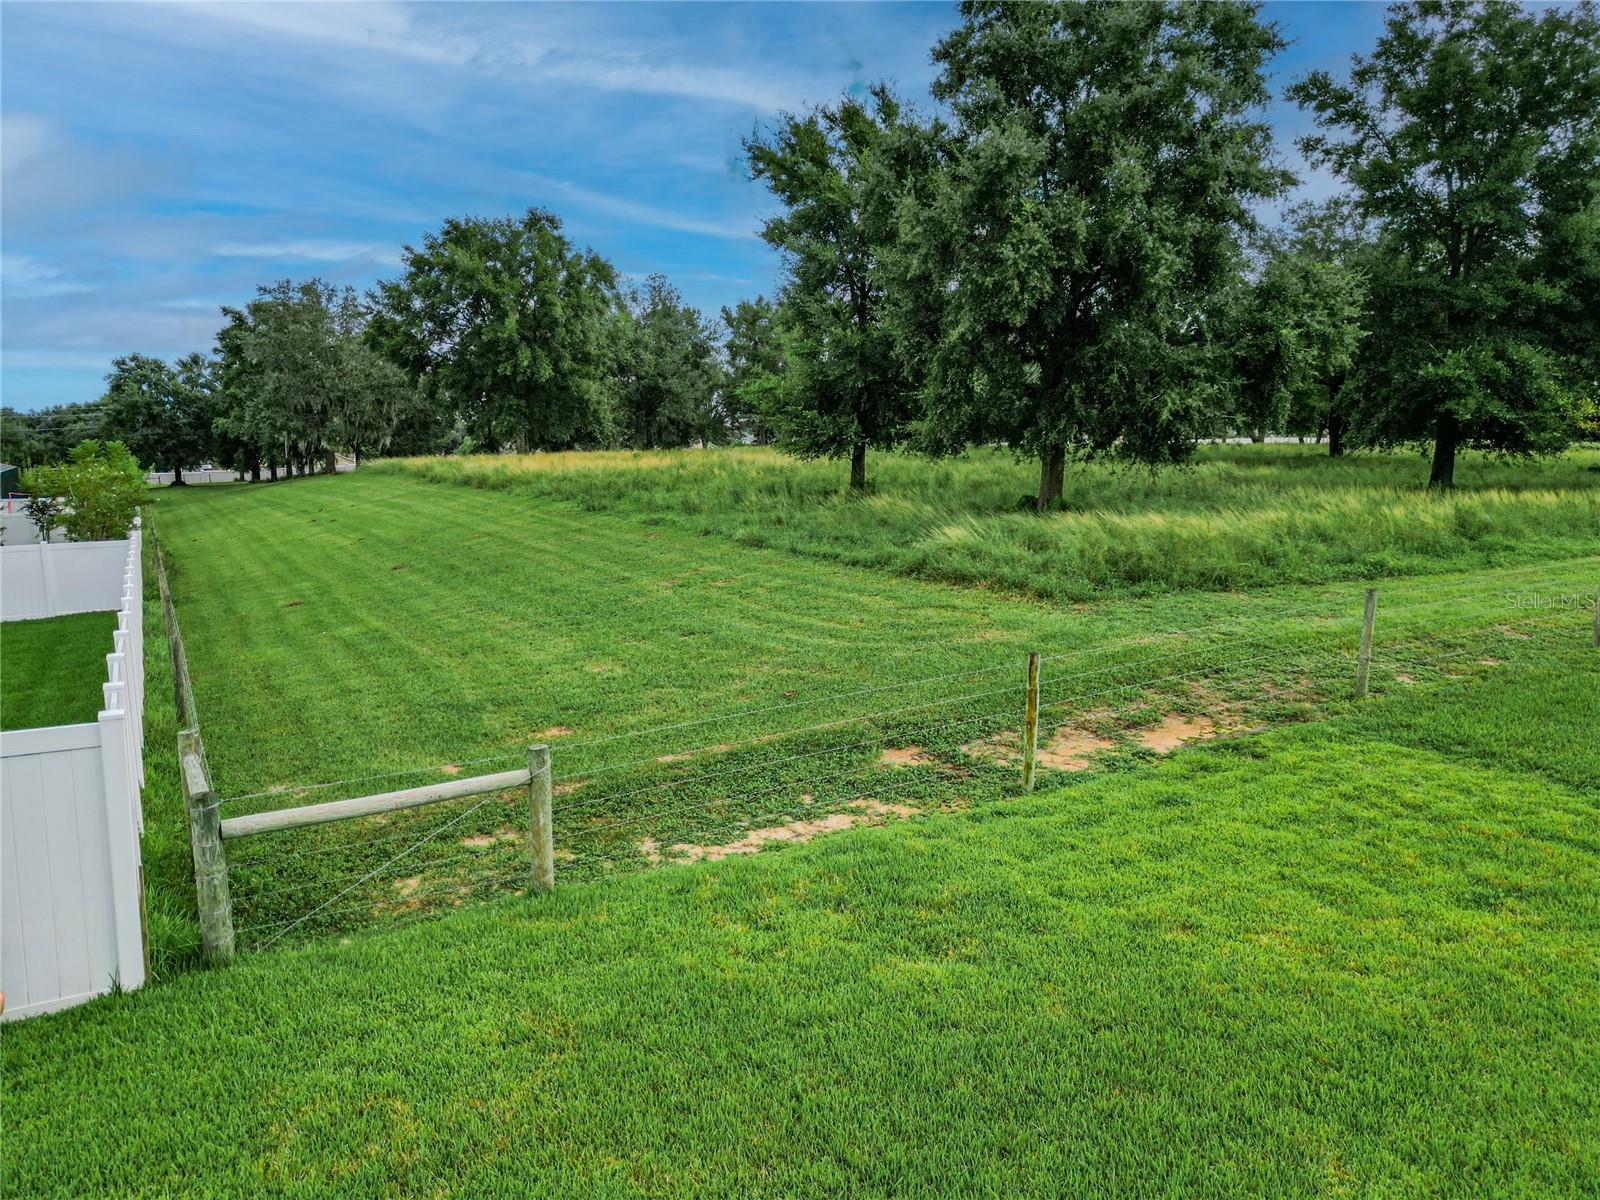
[1085, 225]
[668, 375]
[163, 413]
[1074, 258]
[843, 389]
[753, 350]
[298, 378]
[505, 321]
[1471, 137]
[1293, 328]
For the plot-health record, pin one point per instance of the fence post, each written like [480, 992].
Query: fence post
[1030, 722]
[205, 842]
[1364, 659]
[120, 795]
[542, 839]
[1597, 617]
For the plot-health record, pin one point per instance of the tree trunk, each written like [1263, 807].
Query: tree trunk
[1336, 425]
[1052, 471]
[255, 472]
[177, 476]
[1446, 433]
[274, 469]
[858, 467]
[330, 462]
[1258, 437]
[356, 451]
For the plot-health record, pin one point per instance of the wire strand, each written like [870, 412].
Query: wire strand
[1389, 612]
[384, 866]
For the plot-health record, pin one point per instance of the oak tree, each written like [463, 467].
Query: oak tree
[1471, 137]
[1104, 159]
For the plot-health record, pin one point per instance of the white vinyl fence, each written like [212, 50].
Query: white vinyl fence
[52, 579]
[71, 874]
[195, 475]
[16, 526]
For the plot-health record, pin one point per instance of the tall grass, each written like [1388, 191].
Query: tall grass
[1239, 517]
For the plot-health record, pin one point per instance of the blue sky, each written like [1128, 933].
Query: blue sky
[161, 160]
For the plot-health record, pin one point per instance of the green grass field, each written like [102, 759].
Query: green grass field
[1356, 957]
[353, 635]
[1323, 948]
[51, 669]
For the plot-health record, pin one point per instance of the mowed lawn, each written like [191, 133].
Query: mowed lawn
[1357, 957]
[345, 627]
[51, 669]
[359, 634]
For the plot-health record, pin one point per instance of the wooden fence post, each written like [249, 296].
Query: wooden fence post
[1030, 723]
[542, 839]
[1364, 659]
[205, 842]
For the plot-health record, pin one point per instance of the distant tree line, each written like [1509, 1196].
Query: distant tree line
[1068, 261]
[497, 334]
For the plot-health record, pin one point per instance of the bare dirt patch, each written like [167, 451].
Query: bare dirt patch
[566, 789]
[685, 755]
[450, 769]
[1070, 749]
[482, 841]
[906, 756]
[1067, 749]
[554, 731]
[404, 887]
[862, 812]
[1174, 731]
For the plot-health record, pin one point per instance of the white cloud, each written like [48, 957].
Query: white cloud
[386, 28]
[24, 277]
[24, 139]
[549, 53]
[647, 214]
[310, 250]
[45, 174]
[626, 72]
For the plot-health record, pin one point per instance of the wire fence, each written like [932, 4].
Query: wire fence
[786, 782]
[1330, 616]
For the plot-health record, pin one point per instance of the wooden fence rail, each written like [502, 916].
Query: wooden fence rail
[367, 806]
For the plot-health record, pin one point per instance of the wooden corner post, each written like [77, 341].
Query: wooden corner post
[1364, 659]
[542, 839]
[205, 842]
[1030, 723]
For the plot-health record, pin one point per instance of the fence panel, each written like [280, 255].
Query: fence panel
[71, 875]
[71, 915]
[54, 579]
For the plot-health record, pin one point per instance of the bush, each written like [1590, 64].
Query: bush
[100, 489]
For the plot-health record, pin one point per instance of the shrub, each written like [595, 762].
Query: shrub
[44, 510]
[100, 489]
